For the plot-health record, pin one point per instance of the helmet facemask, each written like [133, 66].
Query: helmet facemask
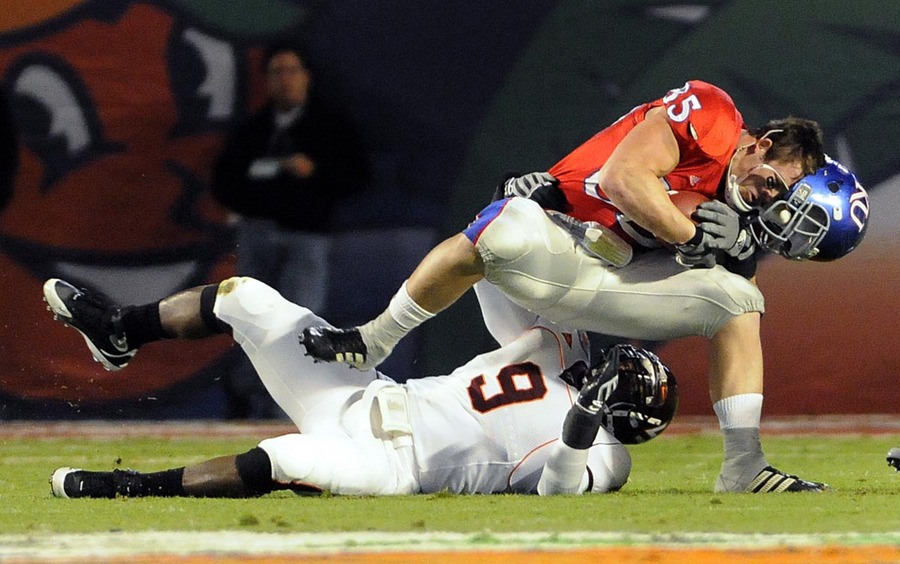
[792, 227]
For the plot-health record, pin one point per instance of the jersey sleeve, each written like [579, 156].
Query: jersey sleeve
[704, 119]
[565, 472]
[608, 464]
[602, 468]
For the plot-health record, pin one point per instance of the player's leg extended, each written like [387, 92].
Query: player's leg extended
[114, 333]
[341, 464]
[307, 463]
[266, 326]
[244, 475]
[260, 320]
[444, 275]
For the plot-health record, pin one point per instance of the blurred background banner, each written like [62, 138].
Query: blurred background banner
[121, 107]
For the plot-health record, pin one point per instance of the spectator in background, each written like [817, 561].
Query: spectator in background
[283, 172]
[9, 152]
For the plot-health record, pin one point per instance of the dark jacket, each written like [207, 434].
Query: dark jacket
[299, 204]
[9, 152]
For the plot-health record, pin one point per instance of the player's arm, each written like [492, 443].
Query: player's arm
[567, 470]
[630, 178]
[577, 462]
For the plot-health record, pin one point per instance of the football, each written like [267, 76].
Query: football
[687, 202]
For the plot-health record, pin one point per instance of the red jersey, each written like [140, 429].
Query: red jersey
[706, 125]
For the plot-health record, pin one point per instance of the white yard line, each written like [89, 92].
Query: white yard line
[242, 543]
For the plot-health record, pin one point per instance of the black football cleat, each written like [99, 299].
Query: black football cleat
[74, 482]
[96, 317]
[772, 480]
[893, 458]
[328, 344]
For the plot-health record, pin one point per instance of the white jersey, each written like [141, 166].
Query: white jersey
[488, 427]
[491, 425]
[474, 428]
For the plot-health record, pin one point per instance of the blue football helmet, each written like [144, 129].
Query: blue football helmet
[822, 217]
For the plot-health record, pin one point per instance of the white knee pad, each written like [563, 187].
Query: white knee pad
[246, 294]
[521, 227]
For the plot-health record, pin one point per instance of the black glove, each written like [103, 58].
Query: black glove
[540, 187]
[589, 399]
[576, 375]
[720, 231]
[585, 416]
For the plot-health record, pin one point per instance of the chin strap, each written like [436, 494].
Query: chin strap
[733, 184]
[733, 194]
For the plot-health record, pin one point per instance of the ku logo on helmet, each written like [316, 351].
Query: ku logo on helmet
[859, 207]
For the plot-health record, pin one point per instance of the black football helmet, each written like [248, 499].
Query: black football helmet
[642, 395]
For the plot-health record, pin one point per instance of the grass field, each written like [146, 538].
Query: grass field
[669, 494]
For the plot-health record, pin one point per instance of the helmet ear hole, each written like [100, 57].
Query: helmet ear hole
[834, 187]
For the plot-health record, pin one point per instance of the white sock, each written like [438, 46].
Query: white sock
[742, 410]
[739, 418]
[383, 333]
[406, 312]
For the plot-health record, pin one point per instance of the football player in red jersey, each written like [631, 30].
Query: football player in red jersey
[688, 139]
[774, 179]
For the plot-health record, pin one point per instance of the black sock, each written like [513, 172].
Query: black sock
[207, 314]
[167, 483]
[142, 324]
[255, 470]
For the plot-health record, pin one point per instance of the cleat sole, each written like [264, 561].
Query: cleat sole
[57, 481]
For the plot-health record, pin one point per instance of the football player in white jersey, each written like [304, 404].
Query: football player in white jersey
[533, 416]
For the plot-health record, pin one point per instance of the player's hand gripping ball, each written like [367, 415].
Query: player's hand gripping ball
[687, 202]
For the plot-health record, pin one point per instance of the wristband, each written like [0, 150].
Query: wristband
[580, 428]
[695, 240]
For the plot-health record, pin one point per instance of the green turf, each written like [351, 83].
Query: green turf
[669, 492]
